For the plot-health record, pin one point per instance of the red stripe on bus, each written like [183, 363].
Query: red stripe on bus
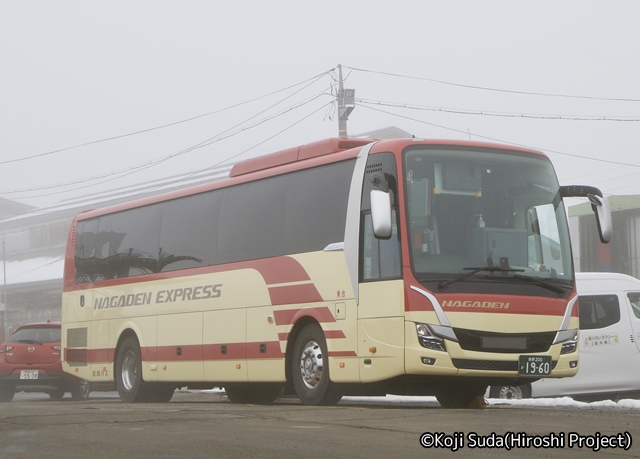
[342, 354]
[329, 334]
[293, 294]
[231, 351]
[192, 352]
[291, 316]
[271, 350]
[333, 334]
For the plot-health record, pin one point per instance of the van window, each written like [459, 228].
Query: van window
[634, 299]
[598, 311]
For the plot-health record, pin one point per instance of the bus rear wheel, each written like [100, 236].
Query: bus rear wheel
[129, 371]
[310, 368]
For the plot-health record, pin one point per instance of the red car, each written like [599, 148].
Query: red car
[30, 362]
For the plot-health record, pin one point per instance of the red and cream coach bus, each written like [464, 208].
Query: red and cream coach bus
[341, 267]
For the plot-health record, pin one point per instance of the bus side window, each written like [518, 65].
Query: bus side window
[381, 258]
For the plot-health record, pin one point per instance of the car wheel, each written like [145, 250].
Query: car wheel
[56, 395]
[310, 368]
[6, 393]
[81, 390]
[510, 392]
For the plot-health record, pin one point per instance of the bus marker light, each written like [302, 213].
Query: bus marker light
[270, 320]
[238, 366]
[373, 349]
[76, 369]
[341, 364]
[164, 367]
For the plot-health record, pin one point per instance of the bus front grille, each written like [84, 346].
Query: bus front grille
[510, 343]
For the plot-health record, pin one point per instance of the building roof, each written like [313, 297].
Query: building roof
[616, 203]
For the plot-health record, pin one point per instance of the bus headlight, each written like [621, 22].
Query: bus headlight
[569, 340]
[427, 339]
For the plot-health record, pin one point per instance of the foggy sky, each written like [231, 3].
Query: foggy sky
[79, 72]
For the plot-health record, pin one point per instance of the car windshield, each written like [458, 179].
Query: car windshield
[36, 335]
[498, 215]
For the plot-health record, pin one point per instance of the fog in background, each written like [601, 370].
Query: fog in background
[98, 96]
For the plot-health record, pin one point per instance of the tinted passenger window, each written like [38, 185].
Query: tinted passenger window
[316, 208]
[85, 250]
[189, 232]
[598, 311]
[251, 223]
[127, 243]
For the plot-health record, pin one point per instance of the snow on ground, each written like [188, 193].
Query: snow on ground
[554, 402]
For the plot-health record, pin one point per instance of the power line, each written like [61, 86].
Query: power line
[501, 140]
[131, 170]
[484, 88]
[108, 139]
[498, 114]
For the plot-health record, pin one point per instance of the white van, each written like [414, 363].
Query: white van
[609, 344]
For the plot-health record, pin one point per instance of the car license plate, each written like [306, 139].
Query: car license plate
[28, 374]
[534, 365]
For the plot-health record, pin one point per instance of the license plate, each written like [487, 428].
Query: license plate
[534, 365]
[28, 374]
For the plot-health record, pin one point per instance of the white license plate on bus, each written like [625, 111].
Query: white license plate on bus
[534, 365]
[28, 374]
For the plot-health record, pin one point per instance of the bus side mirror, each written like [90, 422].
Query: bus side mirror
[600, 206]
[381, 214]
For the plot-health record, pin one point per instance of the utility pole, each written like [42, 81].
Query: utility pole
[346, 104]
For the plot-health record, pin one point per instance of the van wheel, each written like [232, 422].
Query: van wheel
[511, 392]
[310, 368]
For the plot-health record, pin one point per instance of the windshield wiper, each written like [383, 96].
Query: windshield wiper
[30, 341]
[492, 269]
[559, 289]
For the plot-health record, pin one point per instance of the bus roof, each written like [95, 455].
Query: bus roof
[291, 159]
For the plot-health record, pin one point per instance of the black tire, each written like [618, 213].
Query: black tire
[511, 392]
[256, 393]
[6, 393]
[80, 390]
[129, 383]
[460, 395]
[56, 395]
[310, 368]
[159, 392]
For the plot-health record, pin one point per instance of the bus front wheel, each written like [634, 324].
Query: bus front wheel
[310, 368]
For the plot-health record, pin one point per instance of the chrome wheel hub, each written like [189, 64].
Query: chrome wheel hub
[311, 364]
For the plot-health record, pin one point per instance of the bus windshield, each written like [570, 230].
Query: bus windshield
[484, 215]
